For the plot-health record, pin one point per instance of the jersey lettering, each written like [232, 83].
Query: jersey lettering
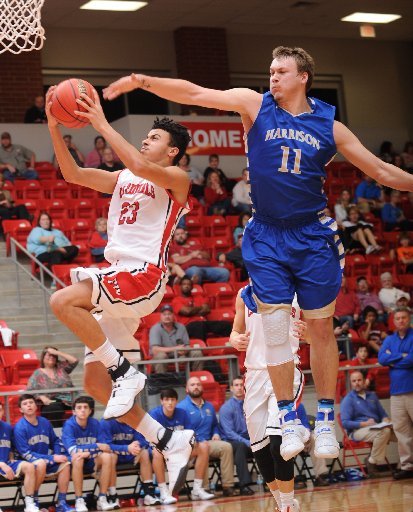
[128, 213]
[284, 161]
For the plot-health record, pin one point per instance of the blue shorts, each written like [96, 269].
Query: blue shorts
[88, 466]
[305, 257]
[15, 466]
[126, 459]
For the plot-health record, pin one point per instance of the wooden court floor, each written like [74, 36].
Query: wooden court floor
[381, 495]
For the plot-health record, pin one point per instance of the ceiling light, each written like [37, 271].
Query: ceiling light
[371, 17]
[113, 5]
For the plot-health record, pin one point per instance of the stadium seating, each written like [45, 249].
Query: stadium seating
[19, 364]
[220, 295]
[17, 229]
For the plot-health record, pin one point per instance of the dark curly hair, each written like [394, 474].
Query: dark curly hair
[179, 135]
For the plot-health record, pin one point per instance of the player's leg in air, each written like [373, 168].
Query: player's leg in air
[109, 376]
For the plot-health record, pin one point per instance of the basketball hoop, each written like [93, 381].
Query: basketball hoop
[20, 26]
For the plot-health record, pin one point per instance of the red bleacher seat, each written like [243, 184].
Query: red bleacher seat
[224, 314]
[221, 295]
[32, 206]
[13, 401]
[228, 349]
[217, 244]
[152, 319]
[382, 382]
[84, 257]
[197, 208]
[28, 189]
[102, 206]
[56, 208]
[213, 391]
[168, 296]
[19, 364]
[62, 272]
[196, 289]
[357, 265]
[87, 193]
[79, 229]
[237, 285]
[17, 229]
[216, 225]
[60, 190]
[382, 263]
[45, 170]
[232, 221]
[84, 209]
[194, 226]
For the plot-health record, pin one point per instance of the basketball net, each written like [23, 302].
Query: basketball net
[20, 26]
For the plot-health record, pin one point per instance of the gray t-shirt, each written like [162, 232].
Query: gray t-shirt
[17, 156]
[160, 337]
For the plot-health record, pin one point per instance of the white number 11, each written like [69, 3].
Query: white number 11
[284, 162]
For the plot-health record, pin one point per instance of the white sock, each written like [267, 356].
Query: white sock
[276, 494]
[150, 429]
[108, 355]
[163, 489]
[287, 499]
[112, 491]
[197, 484]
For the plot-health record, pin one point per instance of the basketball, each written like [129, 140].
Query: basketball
[64, 102]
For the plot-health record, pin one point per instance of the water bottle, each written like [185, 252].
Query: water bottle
[212, 486]
[260, 483]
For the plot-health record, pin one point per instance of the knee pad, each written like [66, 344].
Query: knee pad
[276, 326]
[284, 470]
[265, 463]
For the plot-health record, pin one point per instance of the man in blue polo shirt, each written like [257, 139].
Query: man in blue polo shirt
[169, 416]
[234, 430]
[369, 195]
[397, 353]
[361, 410]
[203, 421]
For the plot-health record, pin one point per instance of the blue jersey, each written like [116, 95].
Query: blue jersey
[119, 436]
[5, 441]
[286, 159]
[179, 421]
[35, 442]
[81, 439]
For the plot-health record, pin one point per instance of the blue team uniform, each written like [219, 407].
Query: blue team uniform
[6, 435]
[35, 442]
[82, 439]
[290, 245]
[179, 421]
[119, 436]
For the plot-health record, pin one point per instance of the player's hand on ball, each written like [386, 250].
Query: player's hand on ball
[94, 111]
[50, 119]
[124, 84]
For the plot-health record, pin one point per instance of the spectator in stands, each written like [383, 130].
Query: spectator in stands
[95, 157]
[241, 200]
[387, 151]
[203, 421]
[128, 447]
[347, 305]
[49, 244]
[234, 430]
[187, 306]
[9, 210]
[195, 260]
[369, 195]
[242, 222]
[16, 161]
[80, 439]
[368, 298]
[195, 175]
[73, 150]
[389, 294]
[108, 161]
[341, 333]
[216, 196]
[53, 374]
[392, 216]
[234, 256]
[405, 253]
[36, 113]
[356, 230]
[363, 417]
[36, 442]
[374, 342]
[371, 324]
[342, 206]
[319, 465]
[167, 335]
[12, 468]
[397, 353]
[362, 359]
[213, 166]
[99, 239]
[174, 418]
[407, 156]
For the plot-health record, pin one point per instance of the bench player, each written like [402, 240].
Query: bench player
[103, 307]
[289, 246]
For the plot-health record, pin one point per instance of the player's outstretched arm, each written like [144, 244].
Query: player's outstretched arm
[97, 179]
[242, 100]
[239, 339]
[386, 174]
